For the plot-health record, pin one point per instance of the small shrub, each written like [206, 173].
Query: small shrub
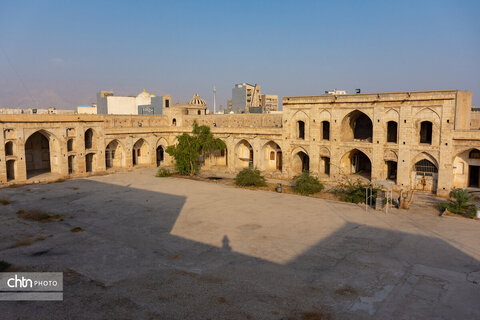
[77, 229]
[38, 215]
[21, 243]
[4, 265]
[59, 180]
[460, 203]
[250, 177]
[162, 172]
[306, 184]
[5, 201]
[353, 192]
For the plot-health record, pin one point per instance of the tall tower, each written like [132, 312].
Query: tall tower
[214, 97]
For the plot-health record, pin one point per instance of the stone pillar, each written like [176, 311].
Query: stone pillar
[405, 129]
[80, 163]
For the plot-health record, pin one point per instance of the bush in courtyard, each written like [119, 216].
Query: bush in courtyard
[460, 202]
[354, 192]
[250, 177]
[306, 184]
[162, 172]
[5, 201]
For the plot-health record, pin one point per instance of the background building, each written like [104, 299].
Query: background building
[269, 102]
[87, 109]
[247, 98]
[144, 103]
[49, 110]
[196, 106]
[245, 95]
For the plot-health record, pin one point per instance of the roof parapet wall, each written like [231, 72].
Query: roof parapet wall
[373, 97]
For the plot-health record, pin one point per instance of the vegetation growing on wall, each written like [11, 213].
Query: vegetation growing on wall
[250, 177]
[460, 202]
[306, 184]
[191, 147]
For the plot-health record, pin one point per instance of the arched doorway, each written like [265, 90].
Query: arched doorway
[140, 154]
[37, 154]
[301, 162]
[425, 175]
[392, 131]
[9, 148]
[357, 162]
[114, 155]
[10, 170]
[160, 155]
[272, 157]
[70, 145]
[89, 162]
[325, 130]
[89, 139]
[466, 169]
[357, 126]
[426, 132]
[244, 155]
[474, 169]
[301, 130]
[71, 164]
[218, 158]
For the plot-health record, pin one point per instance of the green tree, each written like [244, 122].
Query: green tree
[460, 203]
[190, 148]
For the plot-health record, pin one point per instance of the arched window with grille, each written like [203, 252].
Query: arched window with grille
[425, 167]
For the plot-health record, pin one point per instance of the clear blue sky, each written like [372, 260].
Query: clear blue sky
[63, 52]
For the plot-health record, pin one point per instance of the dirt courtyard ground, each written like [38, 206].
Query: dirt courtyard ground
[172, 248]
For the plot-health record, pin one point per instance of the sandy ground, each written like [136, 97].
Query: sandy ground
[172, 248]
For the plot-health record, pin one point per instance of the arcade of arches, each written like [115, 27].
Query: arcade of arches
[423, 140]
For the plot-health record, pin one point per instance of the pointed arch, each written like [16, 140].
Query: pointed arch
[42, 151]
[140, 152]
[89, 139]
[357, 126]
[325, 115]
[356, 161]
[243, 155]
[424, 155]
[426, 113]
[115, 154]
[272, 158]
[300, 161]
[324, 152]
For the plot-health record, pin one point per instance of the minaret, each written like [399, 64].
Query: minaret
[214, 94]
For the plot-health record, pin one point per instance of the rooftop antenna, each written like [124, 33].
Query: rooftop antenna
[214, 96]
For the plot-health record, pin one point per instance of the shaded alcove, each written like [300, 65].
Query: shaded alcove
[114, 155]
[37, 154]
[357, 126]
